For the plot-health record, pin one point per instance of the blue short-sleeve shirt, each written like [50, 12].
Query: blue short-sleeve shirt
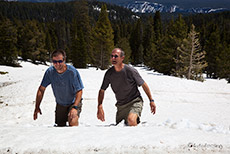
[64, 85]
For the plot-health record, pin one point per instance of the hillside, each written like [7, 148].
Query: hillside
[191, 116]
[50, 12]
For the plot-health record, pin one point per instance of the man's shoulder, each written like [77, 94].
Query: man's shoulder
[71, 68]
[109, 71]
[50, 69]
[129, 68]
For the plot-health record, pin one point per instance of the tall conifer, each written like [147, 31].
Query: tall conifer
[8, 40]
[158, 25]
[167, 49]
[136, 43]
[33, 43]
[103, 40]
[192, 58]
[223, 62]
[83, 22]
[213, 49]
[150, 53]
[123, 43]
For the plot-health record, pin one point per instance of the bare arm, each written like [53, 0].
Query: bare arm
[73, 112]
[148, 93]
[78, 97]
[40, 93]
[100, 111]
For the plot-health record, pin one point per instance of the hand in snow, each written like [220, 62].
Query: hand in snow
[36, 111]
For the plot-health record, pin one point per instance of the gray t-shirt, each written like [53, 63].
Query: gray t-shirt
[124, 83]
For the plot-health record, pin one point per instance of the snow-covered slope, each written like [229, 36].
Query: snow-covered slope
[191, 116]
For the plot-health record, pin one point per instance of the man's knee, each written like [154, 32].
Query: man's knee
[73, 122]
[132, 119]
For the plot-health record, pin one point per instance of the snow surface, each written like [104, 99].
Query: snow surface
[191, 116]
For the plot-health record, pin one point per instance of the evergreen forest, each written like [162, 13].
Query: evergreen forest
[186, 46]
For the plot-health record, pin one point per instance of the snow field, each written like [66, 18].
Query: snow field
[191, 116]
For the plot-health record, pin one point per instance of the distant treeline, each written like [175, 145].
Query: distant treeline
[184, 46]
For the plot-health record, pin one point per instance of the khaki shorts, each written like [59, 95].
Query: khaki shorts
[134, 106]
[61, 113]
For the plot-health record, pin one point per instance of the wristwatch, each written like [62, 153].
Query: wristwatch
[75, 107]
[151, 100]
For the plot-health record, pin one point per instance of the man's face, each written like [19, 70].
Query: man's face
[58, 62]
[115, 58]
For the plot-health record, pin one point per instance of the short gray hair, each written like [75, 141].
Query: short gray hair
[122, 54]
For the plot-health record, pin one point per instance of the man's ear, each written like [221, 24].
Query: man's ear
[123, 58]
[64, 58]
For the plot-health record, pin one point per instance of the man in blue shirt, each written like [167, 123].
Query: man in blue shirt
[67, 88]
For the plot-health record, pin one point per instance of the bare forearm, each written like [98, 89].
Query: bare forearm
[78, 97]
[100, 97]
[39, 96]
[147, 91]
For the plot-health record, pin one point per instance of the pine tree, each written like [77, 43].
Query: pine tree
[159, 63]
[150, 53]
[117, 34]
[82, 50]
[123, 43]
[178, 28]
[78, 49]
[165, 53]
[223, 63]
[60, 34]
[136, 44]
[176, 31]
[83, 22]
[74, 42]
[223, 59]
[53, 36]
[213, 49]
[157, 26]
[33, 42]
[191, 59]
[40, 53]
[8, 40]
[48, 44]
[20, 31]
[103, 40]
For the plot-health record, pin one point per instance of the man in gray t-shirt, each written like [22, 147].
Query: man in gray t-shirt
[124, 81]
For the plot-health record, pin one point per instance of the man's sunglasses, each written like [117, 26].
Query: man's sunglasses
[115, 56]
[57, 61]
